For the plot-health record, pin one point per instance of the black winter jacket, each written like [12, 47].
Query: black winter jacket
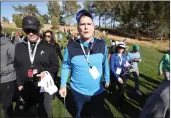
[45, 60]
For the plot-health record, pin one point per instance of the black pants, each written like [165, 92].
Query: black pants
[36, 104]
[6, 96]
[136, 77]
[115, 82]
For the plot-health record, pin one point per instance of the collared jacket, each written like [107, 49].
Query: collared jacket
[115, 63]
[7, 60]
[164, 64]
[131, 56]
[45, 60]
[74, 62]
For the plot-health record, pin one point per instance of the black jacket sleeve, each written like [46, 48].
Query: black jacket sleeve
[54, 62]
[17, 66]
[58, 50]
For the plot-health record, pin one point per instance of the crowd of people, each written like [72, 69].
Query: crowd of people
[30, 63]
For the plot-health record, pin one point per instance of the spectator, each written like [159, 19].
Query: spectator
[8, 76]
[134, 58]
[69, 37]
[33, 57]
[117, 66]
[20, 37]
[113, 45]
[164, 65]
[50, 38]
[60, 35]
[87, 60]
[12, 38]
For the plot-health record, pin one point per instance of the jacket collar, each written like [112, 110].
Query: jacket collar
[25, 40]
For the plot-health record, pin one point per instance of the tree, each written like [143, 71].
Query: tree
[54, 12]
[55, 22]
[41, 21]
[53, 8]
[17, 19]
[30, 10]
[62, 20]
[45, 18]
[157, 16]
[5, 20]
[99, 8]
[69, 9]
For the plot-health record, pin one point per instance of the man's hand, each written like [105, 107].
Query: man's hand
[120, 80]
[106, 84]
[20, 88]
[135, 59]
[63, 91]
[160, 73]
[41, 75]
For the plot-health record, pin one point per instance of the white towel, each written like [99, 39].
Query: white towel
[47, 84]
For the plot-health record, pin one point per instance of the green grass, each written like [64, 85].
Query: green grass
[149, 80]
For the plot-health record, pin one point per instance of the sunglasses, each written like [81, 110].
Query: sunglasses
[30, 31]
[47, 36]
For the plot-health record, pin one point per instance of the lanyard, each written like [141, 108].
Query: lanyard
[86, 56]
[120, 62]
[21, 39]
[32, 56]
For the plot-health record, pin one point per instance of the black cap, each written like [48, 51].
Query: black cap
[83, 13]
[30, 22]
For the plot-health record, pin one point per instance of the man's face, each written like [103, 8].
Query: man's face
[85, 27]
[20, 34]
[135, 50]
[32, 35]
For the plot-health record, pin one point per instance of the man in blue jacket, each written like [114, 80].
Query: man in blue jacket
[87, 60]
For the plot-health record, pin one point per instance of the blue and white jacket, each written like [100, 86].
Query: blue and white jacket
[115, 63]
[75, 61]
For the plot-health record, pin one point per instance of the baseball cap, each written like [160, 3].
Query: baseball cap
[30, 22]
[83, 13]
[136, 47]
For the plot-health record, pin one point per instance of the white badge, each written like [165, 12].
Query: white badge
[118, 71]
[94, 72]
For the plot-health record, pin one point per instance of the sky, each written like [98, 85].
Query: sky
[7, 10]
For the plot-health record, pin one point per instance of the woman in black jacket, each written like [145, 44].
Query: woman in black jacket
[50, 38]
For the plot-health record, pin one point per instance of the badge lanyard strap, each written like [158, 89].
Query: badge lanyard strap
[120, 62]
[86, 56]
[32, 56]
[21, 39]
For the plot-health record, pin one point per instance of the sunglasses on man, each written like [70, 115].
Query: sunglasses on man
[27, 31]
